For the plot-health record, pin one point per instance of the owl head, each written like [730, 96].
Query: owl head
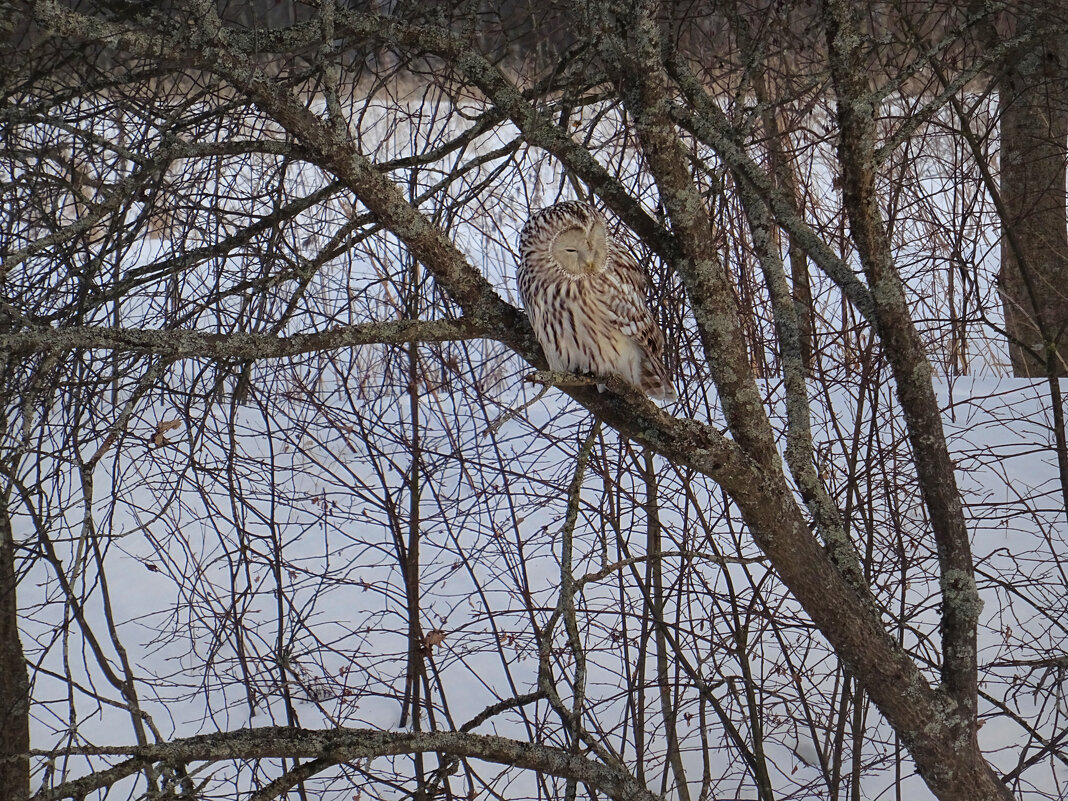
[575, 234]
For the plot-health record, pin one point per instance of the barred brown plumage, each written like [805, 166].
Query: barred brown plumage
[585, 296]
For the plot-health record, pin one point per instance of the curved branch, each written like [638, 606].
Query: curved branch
[348, 745]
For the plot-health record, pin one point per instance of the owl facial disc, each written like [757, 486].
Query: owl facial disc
[581, 251]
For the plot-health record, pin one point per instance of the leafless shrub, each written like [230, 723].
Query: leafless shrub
[285, 518]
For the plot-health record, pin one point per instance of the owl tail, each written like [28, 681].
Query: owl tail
[655, 381]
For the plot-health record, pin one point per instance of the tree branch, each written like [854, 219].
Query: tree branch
[904, 350]
[348, 745]
[236, 345]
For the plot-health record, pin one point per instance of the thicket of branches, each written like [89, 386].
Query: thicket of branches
[282, 514]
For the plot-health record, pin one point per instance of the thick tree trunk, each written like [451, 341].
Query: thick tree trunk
[1034, 243]
[14, 681]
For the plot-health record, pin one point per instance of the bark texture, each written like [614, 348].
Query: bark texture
[1034, 244]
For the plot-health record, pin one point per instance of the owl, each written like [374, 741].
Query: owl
[585, 296]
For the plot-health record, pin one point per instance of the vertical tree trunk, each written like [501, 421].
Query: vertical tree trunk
[1034, 244]
[14, 681]
[784, 178]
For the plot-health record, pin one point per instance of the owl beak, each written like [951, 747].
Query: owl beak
[590, 266]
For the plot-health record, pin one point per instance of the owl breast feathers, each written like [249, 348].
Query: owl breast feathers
[585, 296]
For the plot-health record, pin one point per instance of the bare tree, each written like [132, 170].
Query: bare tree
[292, 511]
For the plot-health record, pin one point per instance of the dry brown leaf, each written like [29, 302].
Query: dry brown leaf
[158, 439]
[434, 637]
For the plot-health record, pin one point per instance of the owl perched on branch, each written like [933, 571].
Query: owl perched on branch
[585, 296]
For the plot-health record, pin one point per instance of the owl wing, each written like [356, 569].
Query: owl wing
[628, 303]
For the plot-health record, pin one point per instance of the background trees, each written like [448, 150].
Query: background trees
[270, 458]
